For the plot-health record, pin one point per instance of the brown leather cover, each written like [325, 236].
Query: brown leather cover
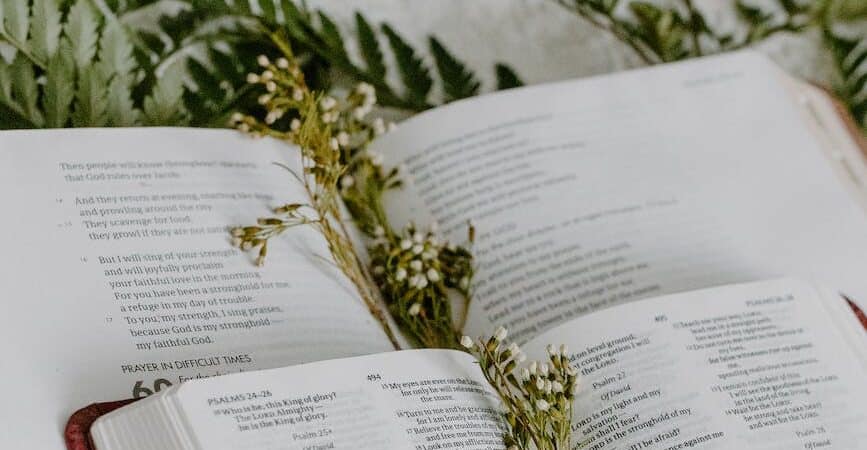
[78, 428]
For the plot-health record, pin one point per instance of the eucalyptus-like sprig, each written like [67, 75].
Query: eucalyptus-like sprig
[414, 274]
[538, 397]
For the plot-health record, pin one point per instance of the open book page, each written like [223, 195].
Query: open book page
[600, 191]
[119, 278]
[757, 366]
[421, 399]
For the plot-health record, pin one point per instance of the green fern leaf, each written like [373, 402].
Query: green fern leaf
[370, 49]
[91, 104]
[16, 18]
[59, 91]
[416, 77]
[116, 51]
[331, 36]
[25, 91]
[458, 82]
[507, 78]
[82, 25]
[269, 10]
[164, 105]
[45, 28]
[121, 111]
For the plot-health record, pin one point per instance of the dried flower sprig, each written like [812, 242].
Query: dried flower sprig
[334, 135]
[538, 397]
[313, 126]
[417, 274]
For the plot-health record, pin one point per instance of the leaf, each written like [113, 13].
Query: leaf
[121, 111]
[458, 82]
[91, 102]
[164, 105]
[82, 24]
[25, 91]
[16, 17]
[115, 51]
[269, 10]
[331, 36]
[369, 46]
[45, 28]
[507, 78]
[207, 84]
[59, 88]
[415, 76]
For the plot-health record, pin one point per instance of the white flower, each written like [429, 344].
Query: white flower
[405, 244]
[400, 274]
[271, 86]
[283, 63]
[501, 333]
[237, 117]
[297, 95]
[236, 242]
[534, 366]
[379, 231]
[428, 255]
[264, 99]
[543, 369]
[267, 75]
[540, 384]
[422, 282]
[547, 386]
[571, 371]
[378, 126]
[464, 283]
[557, 387]
[525, 373]
[415, 265]
[244, 127]
[379, 270]
[551, 350]
[271, 117]
[295, 125]
[417, 237]
[347, 181]
[246, 245]
[415, 309]
[252, 78]
[564, 350]
[327, 103]
[343, 138]
[433, 275]
[520, 357]
[334, 144]
[375, 158]
[542, 405]
[417, 249]
[467, 342]
[513, 348]
[263, 61]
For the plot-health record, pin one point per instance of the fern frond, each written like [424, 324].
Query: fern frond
[82, 25]
[164, 105]
[91, 104]
[507, 78]
[45, 28]
[58, 92]
[458, 81]
[850, 58]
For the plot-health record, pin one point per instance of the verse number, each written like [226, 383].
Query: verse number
[140, 391]
[374, 377]
[662, 318]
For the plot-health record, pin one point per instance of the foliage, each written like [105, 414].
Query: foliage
[75, 67]
[414, 272]
[850, 59]
[538, 397]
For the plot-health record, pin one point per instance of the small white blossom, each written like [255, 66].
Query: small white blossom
[417, 249]
[467, 342]
[252, 78]
[297, 95]
[400, 274]
[464, 283]
[343, 138]
[542, 405]
[334, 144]
[271, 86]
[422, 282]
[378, 126]
[405, 244]
[540, 384]
[513, 348]
[327, 103]
[417, 237]
[267, 75]
[564, 350]
[525, 373]
[236, 242]
[557, 387]
[375, 158]
[378, 270]
[433, 275]
[415, 265]
[543, 369]
[501, 333]
[283, 63]
[414, 309]
[263, 61]
[551, 350]
[271, 117]
[520, 357]
[295, 125]
[237, 117]
[534, 367]
[347, 181]
[379, 231]
[264, 99]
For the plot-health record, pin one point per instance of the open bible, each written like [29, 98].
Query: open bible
[120, 281]
[762, 365]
